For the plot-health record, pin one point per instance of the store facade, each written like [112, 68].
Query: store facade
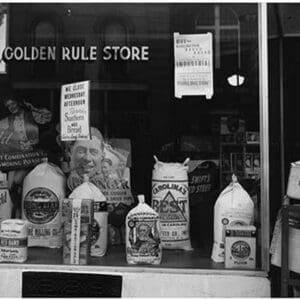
[127, 53]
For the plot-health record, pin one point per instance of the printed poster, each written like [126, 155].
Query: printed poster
[193, 65]
[74, 111]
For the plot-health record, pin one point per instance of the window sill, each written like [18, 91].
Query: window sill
[173, 261]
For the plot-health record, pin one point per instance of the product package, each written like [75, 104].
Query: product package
[88, 190]
[6, 204]
[170, 198]
[43, 191]
[240, 247]
[294, 241]
[77, 217]
[233, 207]
[13, 241]
[143, 244]
[293, 186]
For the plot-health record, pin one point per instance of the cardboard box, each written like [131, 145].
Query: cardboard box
[252, 137]
[248, 163]
[240, 247]
[77, 218]
[256, 162]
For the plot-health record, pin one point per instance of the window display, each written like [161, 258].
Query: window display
[83, 199]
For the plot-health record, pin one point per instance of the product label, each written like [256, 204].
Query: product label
[13, 254]
[240, 250]
[3, 197]
[95, 232]
[41, 206]
[170, 200]
[75, 231]
[143, 237]
[13, 242]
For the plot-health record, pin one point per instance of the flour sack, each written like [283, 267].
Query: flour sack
[143, 244]
[170, 198]
[43, 192]
[233, 207]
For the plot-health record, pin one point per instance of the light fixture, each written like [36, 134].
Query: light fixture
[236, 80]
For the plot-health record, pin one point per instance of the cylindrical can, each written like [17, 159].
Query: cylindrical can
[170, 198]
[13, 241]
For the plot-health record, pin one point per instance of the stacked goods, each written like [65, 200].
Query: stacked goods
[99, 226]
[13, 241]
[233, 207]
[77, 217]
[43, 191]
[143, 244]
[5, 201]
[170, 198]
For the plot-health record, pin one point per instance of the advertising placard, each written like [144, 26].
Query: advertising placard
[74, 111]
[193, 65]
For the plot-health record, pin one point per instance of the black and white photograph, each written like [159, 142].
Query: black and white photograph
[149, 149]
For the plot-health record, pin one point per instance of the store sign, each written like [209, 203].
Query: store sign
[193, 65]
[21, 160]
[74, 111]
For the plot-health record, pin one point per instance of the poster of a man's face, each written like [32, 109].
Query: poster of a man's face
[87, 155]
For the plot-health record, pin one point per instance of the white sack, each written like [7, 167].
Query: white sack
[143, 244]
[88, 190]
[170, 198]
[233, 207]
[43, 192]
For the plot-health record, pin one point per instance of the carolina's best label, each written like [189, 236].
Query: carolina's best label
[170, 200]
[41, 206]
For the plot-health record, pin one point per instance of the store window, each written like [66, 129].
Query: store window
[3, 33]
[132, 104]
[114, 32]
[224, 22]
[44, 34]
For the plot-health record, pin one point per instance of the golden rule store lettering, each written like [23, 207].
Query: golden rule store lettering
[75, 53]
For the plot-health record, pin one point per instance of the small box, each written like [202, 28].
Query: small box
[293, 186]
[77, 217]
[240, 247]
[252, 137]
[13, 241]
[233, 161]
[256, 162]
[239, 162]
[248, 163]
[226, 162]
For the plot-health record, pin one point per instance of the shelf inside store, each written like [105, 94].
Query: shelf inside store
[173, 261]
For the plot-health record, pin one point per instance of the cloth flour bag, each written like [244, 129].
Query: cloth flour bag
[6, 204]
[88, 190]
[233, 207]
[43, 192]
[170, 198]
[143, 244]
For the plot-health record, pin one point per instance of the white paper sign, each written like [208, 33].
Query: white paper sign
[193, 65]
[74, 111]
